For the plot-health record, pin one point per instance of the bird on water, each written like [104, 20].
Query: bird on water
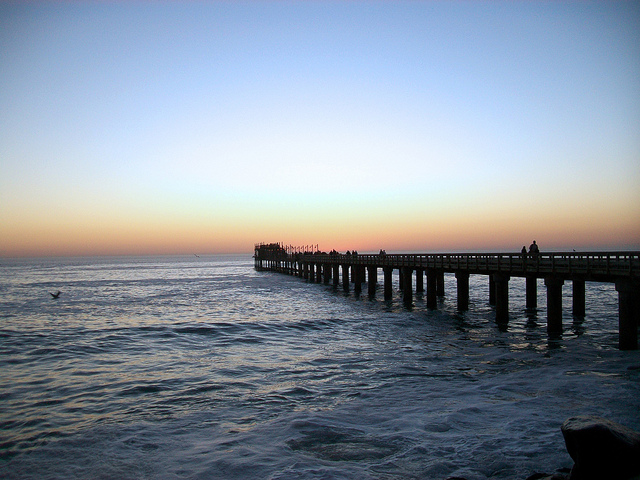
[55, 295]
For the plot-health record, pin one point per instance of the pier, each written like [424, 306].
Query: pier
[619, 268]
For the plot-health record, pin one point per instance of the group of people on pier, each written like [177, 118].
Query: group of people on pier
[533, 250]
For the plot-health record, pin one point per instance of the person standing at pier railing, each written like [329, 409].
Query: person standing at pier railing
[533, 248]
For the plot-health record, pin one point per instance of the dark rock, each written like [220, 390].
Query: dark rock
[601, 449]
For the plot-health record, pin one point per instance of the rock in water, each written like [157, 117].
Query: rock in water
[601, 449]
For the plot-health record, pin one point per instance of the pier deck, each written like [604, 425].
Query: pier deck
[620, 268]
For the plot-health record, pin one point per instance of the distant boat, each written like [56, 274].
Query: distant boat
[55, 295]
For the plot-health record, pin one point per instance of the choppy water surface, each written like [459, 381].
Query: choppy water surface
[203, 368]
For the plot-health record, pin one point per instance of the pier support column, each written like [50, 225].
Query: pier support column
[532, 292]
[327, 273]
[554, 304]
[578, 297]
[419, 280]
[305, 271]
[357, 279]
[345, 278]
[463, 290]
[336, 274]
[373, 279]
[628, 306]
[312, 272]
[492, 290]
[388, 287]
[432, 300]
[502, 297]
[407, 288]
[440, 284]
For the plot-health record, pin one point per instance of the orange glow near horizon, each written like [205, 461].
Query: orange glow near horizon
[470, 231]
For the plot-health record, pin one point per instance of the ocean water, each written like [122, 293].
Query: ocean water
[203, 368]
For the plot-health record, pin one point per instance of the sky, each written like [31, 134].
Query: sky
[425, 126]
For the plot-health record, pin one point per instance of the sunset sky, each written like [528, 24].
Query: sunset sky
[204, 127]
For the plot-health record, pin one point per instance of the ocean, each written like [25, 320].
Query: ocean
[203, 368]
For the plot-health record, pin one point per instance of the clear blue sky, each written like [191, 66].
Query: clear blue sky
[151, 127]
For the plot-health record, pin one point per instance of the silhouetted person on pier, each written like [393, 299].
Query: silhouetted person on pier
[533, 248]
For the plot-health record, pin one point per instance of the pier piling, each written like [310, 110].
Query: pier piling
[531, 292]
[419, 280]
[388, 286]
[578, 297]
[432, 300]
[372, 273]
[407, 289]
[554, 304]
[628, 304]
[502, 297]
[345, 277]
[463, 290]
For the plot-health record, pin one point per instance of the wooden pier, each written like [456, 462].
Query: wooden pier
[620, 268]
